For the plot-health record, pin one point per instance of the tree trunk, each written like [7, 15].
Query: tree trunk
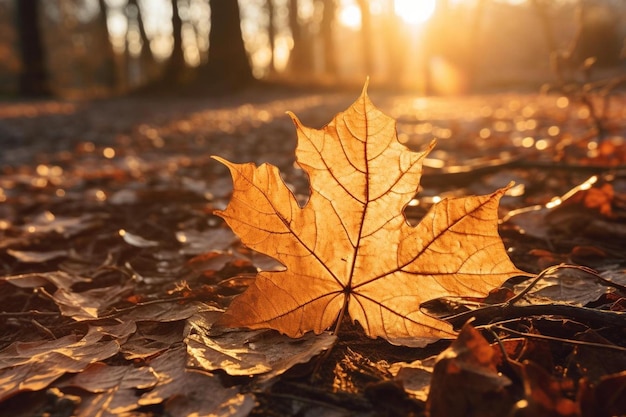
[300, 56]
[271, 34]
[146, 52]
[176, 62]
[34, 77]
[327, 29]
[228, 64]
[109, 70]
[366, 36]
[395, 52]
[474, 44]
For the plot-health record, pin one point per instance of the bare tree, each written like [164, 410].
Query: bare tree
[34, 77]
[228, 65]
[393, 46]
[109, 70]
[300, 58]
[366, 36]
[327, 31]
[146, 52]
[176, 62]
[271, 33]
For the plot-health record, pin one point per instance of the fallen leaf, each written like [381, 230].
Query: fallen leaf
[573, 211]
[47, 223]
[80, 306]
[355, 372]
[415, 376]
[116, 388]
[60, 279]
[89, 304]
[545, 395]
[564, 286]
[251, 352]
[32, 366]
[136, 240]
[116, 385]
[593, 363]
[197, 242]
[168, 311]
[605, 398]
[152, 338]
[350, 248]
[186, 392]
[37, 257]
[463, 375]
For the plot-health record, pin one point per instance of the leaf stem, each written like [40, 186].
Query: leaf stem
[342, 313]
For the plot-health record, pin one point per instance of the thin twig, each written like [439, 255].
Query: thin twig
[530, 286]
[498, 312]
[28, 313]
[43, 328]
[558, 339]
[505, 355]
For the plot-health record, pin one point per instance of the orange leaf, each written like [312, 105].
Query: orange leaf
[350, 247]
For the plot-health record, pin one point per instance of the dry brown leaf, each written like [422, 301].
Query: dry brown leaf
[185, 393]
[32, 366]
[115, 388]
[350, 247]
[464, 374]
[249, 353]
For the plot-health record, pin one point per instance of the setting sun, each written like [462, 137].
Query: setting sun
[414, 11]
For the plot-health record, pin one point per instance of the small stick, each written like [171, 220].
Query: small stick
[558, 339]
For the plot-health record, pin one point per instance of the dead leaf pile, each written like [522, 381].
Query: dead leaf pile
[120, 288]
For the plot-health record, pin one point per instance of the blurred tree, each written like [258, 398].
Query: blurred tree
[271, 34]
[542, 8]
[34, 78]
[598, 34]
[301, 57]
[328, 38]
[175, 68]
[228, 65]
[596, 41]
[145, 70]
[366, 36]
[146, 56]
[474, 43]
[394, 46]
[109, 72]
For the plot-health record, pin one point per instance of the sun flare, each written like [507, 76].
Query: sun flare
[414, 12]
[350, 16]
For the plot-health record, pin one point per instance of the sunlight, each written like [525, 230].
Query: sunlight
[414, 12]
[350, 16]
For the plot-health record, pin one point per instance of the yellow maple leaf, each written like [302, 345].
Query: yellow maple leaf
[350, 247]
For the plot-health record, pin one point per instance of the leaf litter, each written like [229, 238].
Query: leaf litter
[98, 322]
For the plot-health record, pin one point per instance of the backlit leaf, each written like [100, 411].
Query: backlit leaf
[350, 248]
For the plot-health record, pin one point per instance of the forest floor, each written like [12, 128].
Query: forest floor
[113, 265]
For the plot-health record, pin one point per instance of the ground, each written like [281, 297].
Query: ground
[109, 243]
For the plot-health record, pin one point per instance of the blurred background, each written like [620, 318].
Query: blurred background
[92, 48]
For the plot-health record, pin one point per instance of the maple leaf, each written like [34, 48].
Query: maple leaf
[350, 247]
